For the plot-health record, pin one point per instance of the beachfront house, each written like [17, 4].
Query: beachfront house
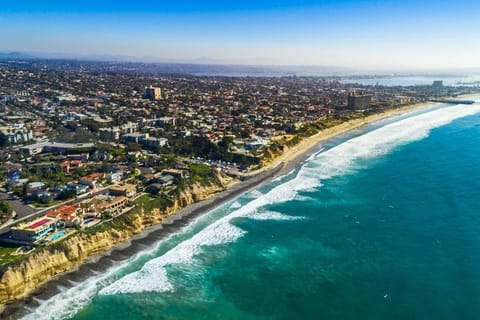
[113, 207]
[127, 190]
[67, 215]
[35, 230]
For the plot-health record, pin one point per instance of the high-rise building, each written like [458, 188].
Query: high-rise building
[359, 101]
[153, 93]
[437, 84]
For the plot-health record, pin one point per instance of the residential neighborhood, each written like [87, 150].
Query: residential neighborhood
[82, 143]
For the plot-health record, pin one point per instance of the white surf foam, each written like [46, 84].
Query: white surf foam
[254, 194]
[344, 157]
[273, 215]
[235, 205]
[67, 303]
[279, 178]
[153, 275]
[304, 198]
[335, 161]
[316, 154]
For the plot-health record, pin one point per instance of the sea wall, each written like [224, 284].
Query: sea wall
[17, 281]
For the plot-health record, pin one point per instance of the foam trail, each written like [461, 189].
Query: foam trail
[313, 156]
[333, 162]
[344, 157]
[254, 194]
[273, 215]
[153, 275]
[235, 205]
[66, 304]
[37, 300]
[277, 179]
[303, 198]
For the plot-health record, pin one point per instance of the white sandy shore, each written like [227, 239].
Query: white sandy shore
[292, 156]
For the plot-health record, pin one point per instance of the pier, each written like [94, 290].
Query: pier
[453, 101]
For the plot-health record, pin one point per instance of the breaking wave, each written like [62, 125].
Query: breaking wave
[235, 205]
[273, 215]
[254, 194]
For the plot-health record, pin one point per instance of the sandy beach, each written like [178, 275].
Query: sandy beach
[291, 157]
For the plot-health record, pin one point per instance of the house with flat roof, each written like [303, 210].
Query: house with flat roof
[178, 174]
[78, 188]
[127, 190]
[34, 230]
[165, 180]
[115, 176]
[112, 207]
[55, 147]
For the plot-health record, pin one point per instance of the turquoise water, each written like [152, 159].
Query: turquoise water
[382, 224]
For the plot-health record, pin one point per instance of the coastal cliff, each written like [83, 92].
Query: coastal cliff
[20, 279]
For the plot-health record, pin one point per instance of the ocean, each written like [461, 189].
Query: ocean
[379, 223]
[472, 80]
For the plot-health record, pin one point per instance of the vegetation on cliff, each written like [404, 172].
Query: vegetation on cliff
[19, 278]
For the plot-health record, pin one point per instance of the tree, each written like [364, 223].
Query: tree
[5, 208]
[67, 194]
[92, 125]
[105, 167]
[133, 147]
[3, 140]
[225, 143]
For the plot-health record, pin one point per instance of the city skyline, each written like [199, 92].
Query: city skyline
[355, 34]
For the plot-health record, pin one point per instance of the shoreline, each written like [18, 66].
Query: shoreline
[297, 153]
[137, 243]
[154, 233]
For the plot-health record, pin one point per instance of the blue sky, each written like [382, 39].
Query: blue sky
[369, 34]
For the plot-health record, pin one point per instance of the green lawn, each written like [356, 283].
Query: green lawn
[162, 201]
[6, 254]
[143, 199]
[47, 205]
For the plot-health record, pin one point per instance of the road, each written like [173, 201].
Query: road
[20, 208]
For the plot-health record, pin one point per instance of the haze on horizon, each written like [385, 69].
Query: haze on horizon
[360, 34]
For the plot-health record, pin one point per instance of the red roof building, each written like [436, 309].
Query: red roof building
[68, 214]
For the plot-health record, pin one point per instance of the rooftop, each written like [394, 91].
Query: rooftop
[125, 187]
[35, 224]
[63, 211]
[59, 145]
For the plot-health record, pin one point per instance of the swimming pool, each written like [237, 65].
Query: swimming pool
[58, 235]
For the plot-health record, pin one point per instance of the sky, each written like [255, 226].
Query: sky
[361, 34]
